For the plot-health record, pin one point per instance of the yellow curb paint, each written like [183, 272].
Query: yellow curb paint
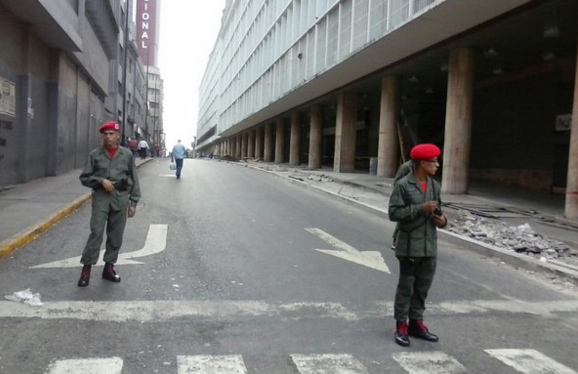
[10, 245]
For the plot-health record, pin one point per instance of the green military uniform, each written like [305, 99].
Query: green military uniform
[404, 169]
[109, 210]
[416, 246]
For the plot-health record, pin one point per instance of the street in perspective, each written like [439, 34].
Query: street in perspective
[233, 269]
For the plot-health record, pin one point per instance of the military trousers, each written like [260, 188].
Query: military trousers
[103, 216]
[415, 279]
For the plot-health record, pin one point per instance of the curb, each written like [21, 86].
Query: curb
[24, 237]
[553, 268]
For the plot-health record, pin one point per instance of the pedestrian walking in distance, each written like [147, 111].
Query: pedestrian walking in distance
[143, 148]
[110, 172]
[416, 205]
[178, 155]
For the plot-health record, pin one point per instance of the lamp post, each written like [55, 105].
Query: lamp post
[124, 70]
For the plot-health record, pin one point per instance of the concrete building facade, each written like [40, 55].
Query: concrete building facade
[353, 83]
[58, 82]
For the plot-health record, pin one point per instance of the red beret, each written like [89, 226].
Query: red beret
[109, 126]
[424, 152]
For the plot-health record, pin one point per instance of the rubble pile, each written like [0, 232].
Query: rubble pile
[320, 178]
[521, 239]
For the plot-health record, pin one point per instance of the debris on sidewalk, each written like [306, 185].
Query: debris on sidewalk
[522, 239]
[26, 297]
[320, 178]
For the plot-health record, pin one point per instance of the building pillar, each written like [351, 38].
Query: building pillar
[244, 141]
[458, 127]
[238, 147]
[345, 133]
[315, 138]
[259, 143]
[571, 204]
[295, 145]
[268, 147]
[251, 144]
[279, 142]
[388, 146]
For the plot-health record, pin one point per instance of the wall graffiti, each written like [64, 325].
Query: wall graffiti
[4, 125]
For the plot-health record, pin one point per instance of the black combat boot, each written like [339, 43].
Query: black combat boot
[109, 274]
[84, 276]
[419, 330]
[401, 337]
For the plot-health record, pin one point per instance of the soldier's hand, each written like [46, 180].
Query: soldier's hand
[429, 206]
[439, 221]
[131, 211]
[107, 185]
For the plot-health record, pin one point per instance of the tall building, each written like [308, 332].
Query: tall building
[59, 67]
[351, 83]
[147, 20]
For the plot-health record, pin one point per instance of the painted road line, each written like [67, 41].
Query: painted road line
[112, 365]
[434, 362]
[370, 259]
[164, 310]
[156, 242]
[328, 364]
[529, 361]
[231, 364]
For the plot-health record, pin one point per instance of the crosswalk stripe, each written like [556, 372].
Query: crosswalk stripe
[529, 361]
[111, 365]
[328, 364]
[206, 364]
[429, 363]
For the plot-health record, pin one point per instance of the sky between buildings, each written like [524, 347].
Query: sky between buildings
[188, 31]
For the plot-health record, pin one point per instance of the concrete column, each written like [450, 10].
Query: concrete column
[295, 145]
[315, 138]
[279, 142]
[458, 128]
[388, 146]
[268, 147]
[238, 147]
[244, 141]
[258, 147]
[571, 205]
[251, 144]
[345, 133]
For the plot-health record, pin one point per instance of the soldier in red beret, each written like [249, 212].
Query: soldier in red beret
[415, 205]
[111, 174]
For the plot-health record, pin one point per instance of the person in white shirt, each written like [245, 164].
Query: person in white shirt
[178, 155]
[143, 146]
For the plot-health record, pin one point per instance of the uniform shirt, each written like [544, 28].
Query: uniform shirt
[100, 166]
[417, 233]
[179, 151]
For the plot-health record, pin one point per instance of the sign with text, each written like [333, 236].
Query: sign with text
[564, 122]
[146, 29]
[7, 97]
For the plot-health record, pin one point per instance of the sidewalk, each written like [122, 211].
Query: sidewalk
[27, 210]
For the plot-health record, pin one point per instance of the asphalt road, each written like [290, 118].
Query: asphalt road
[229, 277]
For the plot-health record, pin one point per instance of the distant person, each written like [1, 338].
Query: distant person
[415, 204]
[177, 155]
[143, 147]
[133, 146]
[111, 174]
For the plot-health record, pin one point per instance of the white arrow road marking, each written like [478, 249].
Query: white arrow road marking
[156, 242]
[370, 259]
[328, 364]
[529, 361]
[111, 365]
[231, 364]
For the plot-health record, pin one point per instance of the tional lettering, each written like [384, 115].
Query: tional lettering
[146, 16]
[145, 35]
[145, 25]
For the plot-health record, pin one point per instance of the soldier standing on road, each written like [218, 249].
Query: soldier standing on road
[415, 204]
[111, 174]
